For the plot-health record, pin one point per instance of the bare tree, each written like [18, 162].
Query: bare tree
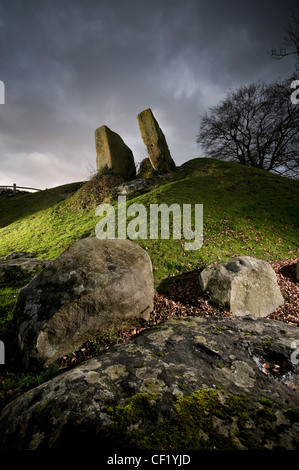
[291, 39]
[256, 125]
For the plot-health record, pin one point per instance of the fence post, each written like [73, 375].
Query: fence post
[14, 188]
[2, 353]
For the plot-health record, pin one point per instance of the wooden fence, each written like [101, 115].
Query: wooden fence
[15, 187]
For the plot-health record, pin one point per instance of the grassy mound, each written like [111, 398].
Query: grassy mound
[246, 212]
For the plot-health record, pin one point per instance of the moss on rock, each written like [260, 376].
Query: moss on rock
[204, 420]
[207, 420]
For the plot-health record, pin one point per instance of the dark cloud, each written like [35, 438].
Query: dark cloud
[70, 66]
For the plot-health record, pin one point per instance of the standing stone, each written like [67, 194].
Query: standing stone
[155, 142]
[113, 153]
[248, 286]
[93, 288]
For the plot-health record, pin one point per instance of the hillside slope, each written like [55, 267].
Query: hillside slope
[20, 206]
[245, 212]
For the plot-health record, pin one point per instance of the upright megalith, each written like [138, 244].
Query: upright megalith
[155, 142]
[113, 153]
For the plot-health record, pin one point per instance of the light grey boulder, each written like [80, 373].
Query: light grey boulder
[246, 285]
[113, 153]
[92, 288]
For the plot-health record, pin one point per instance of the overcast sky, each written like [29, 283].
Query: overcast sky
[72, 66]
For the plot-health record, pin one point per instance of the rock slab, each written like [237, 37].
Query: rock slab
[155, 142]
[191, 383]
[20, 266]
[131, 186]
[92, 288]
[246, 285]
[18, 254]
[113, 153]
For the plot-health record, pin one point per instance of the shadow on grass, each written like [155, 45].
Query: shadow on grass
[289, 271]
[186, 298]
[183, 288]
[16, 207]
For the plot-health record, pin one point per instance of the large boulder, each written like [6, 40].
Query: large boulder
[113, 153]
[155, 142]
[246, 285]
[92, 288]
[192, 383]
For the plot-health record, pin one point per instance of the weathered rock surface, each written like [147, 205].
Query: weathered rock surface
[246, 285]
[190, 383]
[20, 266]
[155, 142]
[93, 287]
[113, 153]
[146, 169]
[131, 186]
[18, 254]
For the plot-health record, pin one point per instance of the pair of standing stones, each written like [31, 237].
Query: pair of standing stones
[114, 154]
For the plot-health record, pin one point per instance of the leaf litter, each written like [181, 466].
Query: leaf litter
[185, 298]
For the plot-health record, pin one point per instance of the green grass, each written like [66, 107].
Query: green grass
[22, 206]
[246, 212]
[45, 231]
